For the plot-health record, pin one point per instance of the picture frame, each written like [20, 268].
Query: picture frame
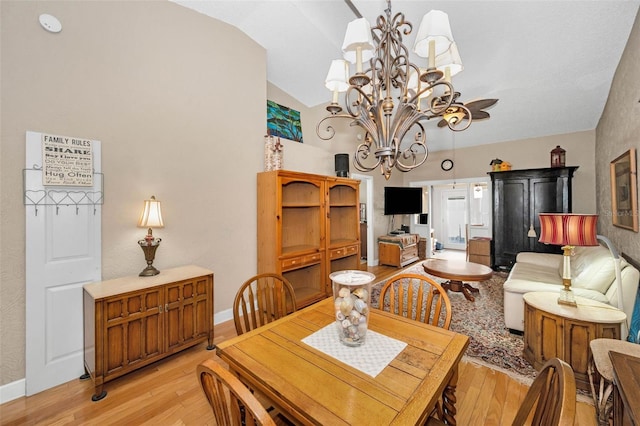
[283, 122]
[624, 191]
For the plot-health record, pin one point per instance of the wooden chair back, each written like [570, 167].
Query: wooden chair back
[417, 297]
[232, 402]
[262, 299]
[551, 397]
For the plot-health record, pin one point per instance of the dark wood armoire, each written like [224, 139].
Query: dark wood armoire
[518, 197]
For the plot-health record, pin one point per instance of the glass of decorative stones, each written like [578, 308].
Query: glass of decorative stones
[352, 299]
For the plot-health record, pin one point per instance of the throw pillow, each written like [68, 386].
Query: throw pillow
[634, 328]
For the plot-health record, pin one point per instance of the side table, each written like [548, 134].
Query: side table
[552, 330]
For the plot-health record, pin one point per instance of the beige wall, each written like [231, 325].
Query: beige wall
[178, 101]
[617, 131]
[523, 154]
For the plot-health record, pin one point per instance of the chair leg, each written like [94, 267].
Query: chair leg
[602, 396]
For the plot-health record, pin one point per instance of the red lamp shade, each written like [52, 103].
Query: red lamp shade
[567, 229]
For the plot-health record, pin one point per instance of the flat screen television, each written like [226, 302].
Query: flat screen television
[402, 200]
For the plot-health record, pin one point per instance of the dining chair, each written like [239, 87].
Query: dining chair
[417, 297]
[232, 402]
[262, 299]
[551, 397]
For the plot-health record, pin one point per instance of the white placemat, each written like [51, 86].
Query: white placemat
[371, 358]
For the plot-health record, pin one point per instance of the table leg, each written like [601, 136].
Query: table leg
[460, 287]
[449, 399]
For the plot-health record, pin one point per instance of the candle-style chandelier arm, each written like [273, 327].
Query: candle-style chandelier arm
[361, 102]
[329, 130]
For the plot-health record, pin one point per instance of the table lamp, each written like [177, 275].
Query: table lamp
[151, 217]
[568, 230]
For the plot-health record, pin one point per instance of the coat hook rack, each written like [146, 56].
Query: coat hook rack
[57, 196]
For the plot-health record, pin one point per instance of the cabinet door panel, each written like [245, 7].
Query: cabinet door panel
[135, 341]
[513, 203]
[546, 196]
[550, 338]
[152, 324]
[173, 313]
[186, 316]
[577, 338]
[133, 329]
[115, 348]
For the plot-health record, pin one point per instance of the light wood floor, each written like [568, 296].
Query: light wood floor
[167, 393]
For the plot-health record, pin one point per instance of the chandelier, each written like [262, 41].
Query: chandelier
[394, 97]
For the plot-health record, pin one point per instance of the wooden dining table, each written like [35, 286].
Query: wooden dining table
[313, 388]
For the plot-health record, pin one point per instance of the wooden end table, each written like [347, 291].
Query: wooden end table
[552, 330]
[457, 272]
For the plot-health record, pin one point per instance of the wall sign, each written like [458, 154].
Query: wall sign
[66, 161]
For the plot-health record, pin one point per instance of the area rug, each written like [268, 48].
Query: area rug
[490, 342]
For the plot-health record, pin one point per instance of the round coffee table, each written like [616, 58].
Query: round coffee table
[456, 272]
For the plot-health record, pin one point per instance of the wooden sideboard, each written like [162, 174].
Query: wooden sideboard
[133, 321]
[398, 250]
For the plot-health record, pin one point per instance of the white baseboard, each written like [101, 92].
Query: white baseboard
[13, 390]
[17, 389]
[223, 316]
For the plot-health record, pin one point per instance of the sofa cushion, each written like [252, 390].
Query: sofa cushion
[593, 268]
[534, 273]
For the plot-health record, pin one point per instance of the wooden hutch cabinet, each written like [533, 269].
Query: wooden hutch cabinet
[308, 227]
[518, 197]
[133, 321]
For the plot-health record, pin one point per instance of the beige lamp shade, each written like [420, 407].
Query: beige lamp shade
[451, 59]
[565, 229]
[151, 216]
[337, 76]
[434, 27]
[358, 36]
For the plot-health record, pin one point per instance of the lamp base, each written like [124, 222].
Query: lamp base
[567, 298]
[567, 302]
[149, 247]
[149, 271]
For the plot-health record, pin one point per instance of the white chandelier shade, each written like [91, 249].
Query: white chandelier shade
[358, 43]
[337, 77]
[433, 28]
[450, 59]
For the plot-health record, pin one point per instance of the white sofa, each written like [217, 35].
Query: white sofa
[592, 276]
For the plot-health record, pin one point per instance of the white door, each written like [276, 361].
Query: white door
[454, 218]
[63, 252]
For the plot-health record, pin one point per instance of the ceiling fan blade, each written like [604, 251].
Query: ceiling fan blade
[481, 104]
[479, 115]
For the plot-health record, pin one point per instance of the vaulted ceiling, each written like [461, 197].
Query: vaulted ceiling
[550, 63]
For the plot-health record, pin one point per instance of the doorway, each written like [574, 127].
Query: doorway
[366, 197]
[438, 227]
[453, 216]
